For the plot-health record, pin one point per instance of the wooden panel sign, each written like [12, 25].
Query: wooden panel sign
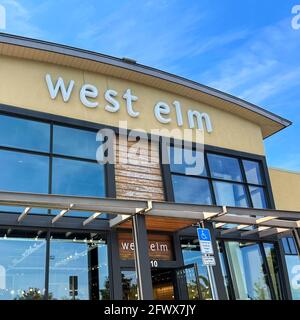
[160, 247]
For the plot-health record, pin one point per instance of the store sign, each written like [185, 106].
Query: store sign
[205, 241]
[159, 247]
[88, 94]
[208, 260]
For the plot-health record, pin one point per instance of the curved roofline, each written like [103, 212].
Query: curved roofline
[136, 67]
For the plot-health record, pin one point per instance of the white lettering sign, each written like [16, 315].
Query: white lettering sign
[89, 93]
[160, 109]
[208, 260]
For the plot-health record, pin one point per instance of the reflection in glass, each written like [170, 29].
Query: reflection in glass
[103, 276]
[293, 266]
[258, 197]
[192, 254]
[289, 245]
[247, 271]
[129, 285]
[24, 134]
[230, 194]
[286, 246]
[80, 178]
[223, 167]
[75, 142]
[22, 172]
[273, 268]
[72, 177]
[224, 273]
[292, 245]
[191, 190]
[253, 172]
[183, 159]
[84, 259]
[22, 268]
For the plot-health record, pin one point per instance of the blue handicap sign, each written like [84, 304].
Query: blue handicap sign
[203, 234]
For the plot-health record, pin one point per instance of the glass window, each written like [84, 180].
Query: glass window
[191, 190]
[253, 172]
[72, 177]
[86, 261]
[226, 168]
[293, 266]
[79, 178]
[129, 285]
[187, 161]
[22, 172]
[258, 197]
[192, 254]
[289, 245]
[22, 268]
[102, 267]
[273, 267]
[247, 271]
[286, 246]
[75, 142]
[225, 273]
[292, 245]
[25, 134]
[230, 194]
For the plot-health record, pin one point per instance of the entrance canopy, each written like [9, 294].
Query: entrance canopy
[163, 216]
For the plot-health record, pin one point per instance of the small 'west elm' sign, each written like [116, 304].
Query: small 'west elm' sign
[160, 247]
[89, 93]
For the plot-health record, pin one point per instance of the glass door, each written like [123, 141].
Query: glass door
[187, 283]
[163, 282]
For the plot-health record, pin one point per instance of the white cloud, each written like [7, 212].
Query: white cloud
[274, 85]
[145, 33]
[290, 161]
[264, 66]
[218, 41]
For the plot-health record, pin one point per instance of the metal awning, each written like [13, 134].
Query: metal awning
[264, 222]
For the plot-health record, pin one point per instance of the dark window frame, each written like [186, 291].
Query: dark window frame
[240, 156]
[291, 248]
[108, 168]
[265, 265]
[109, 176]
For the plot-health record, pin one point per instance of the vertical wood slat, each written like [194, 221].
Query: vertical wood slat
[139, 178]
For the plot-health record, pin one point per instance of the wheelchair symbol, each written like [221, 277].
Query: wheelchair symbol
[204, 235]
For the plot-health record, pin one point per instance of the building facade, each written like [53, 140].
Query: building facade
[75, 227]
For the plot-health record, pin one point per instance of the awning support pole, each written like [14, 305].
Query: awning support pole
[141, 257]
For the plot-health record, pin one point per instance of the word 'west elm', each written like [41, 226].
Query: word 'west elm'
[88, 93]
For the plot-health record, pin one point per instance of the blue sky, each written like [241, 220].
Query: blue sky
[247, 48]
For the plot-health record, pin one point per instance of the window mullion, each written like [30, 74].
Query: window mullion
[246, 187]
[212, 191]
